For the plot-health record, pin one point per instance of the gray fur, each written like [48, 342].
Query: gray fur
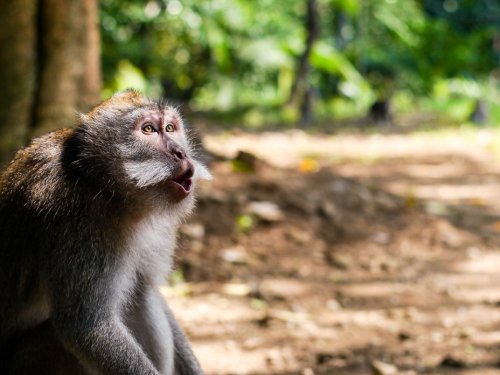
[87, 232]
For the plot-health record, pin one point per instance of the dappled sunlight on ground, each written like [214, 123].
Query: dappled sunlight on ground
[356, 269]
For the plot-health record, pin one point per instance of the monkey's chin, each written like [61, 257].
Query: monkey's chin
[182, 183]
[177, 191]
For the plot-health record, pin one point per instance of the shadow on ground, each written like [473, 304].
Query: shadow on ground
[343, 270]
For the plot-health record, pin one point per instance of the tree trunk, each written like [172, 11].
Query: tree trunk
[50, 67]
[17, 73]
[91, 79]
[69, 66]
[300, 87]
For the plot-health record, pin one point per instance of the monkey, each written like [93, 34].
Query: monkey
[88, 220]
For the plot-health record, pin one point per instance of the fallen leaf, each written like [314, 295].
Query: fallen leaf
[308, 165]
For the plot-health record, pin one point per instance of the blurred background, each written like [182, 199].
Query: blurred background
[353, 223]
[265, 63]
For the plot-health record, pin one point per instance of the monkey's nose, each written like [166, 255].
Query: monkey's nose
[178, 153]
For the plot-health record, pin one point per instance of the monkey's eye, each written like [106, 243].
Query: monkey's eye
[148, 128]
[169, 128]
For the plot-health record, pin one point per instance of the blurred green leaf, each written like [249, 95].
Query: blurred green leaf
[244, 223]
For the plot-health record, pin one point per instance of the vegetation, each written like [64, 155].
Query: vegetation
[250, 62]
[243, 59]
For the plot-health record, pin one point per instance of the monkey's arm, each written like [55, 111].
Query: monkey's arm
[184, 360]
[86, 320]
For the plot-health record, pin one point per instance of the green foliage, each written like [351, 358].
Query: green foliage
[240, 58]
[351, 84]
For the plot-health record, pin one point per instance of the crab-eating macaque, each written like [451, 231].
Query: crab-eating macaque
[88, 220]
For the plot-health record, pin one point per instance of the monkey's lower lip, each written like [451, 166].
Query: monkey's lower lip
[184, 180]
[185, 184]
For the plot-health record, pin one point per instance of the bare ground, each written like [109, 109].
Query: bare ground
[372, 255]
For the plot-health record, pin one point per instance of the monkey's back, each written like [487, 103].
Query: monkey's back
[34, 199]
[56, 230]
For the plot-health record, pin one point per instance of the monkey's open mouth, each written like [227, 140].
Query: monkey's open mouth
[184, 179]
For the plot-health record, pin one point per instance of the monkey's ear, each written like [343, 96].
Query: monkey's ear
[201, 172]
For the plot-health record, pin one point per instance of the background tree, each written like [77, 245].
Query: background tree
[237, 60]
[301, 85]
[241, 62]
[50, 67]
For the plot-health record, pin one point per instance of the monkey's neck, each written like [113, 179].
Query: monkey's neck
[150, 245]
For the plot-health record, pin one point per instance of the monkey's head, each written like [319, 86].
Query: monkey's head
[135, 145]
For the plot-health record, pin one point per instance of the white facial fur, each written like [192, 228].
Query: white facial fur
[147, 173]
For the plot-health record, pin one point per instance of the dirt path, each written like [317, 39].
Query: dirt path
[345, 269]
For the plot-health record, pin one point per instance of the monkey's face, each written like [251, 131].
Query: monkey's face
[161, 156]
[140, 147]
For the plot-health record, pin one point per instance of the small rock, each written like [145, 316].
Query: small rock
[235, 255]
[195, 231]
[267, 211]
[382, 368]
[339, 187]
[329, 210]
[365, 194]
[299, 236]
[240, 198]
[197, 246]
[235, 289]
[436, 208]
[387, 202]
[473, 252]
[212, 195]
[381, 238]
[334, 305]
[437, 337]
[253, 343]
[338, 261]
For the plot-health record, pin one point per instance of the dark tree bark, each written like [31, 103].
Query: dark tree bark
[300, 88]
[380, 111]
[479, 115]
[50, 59]
[17, 72]
[69, 79]
[91, 79]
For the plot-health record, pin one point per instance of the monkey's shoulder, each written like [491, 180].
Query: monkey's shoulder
[48, 147]
[43, 151]
[35, 174]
